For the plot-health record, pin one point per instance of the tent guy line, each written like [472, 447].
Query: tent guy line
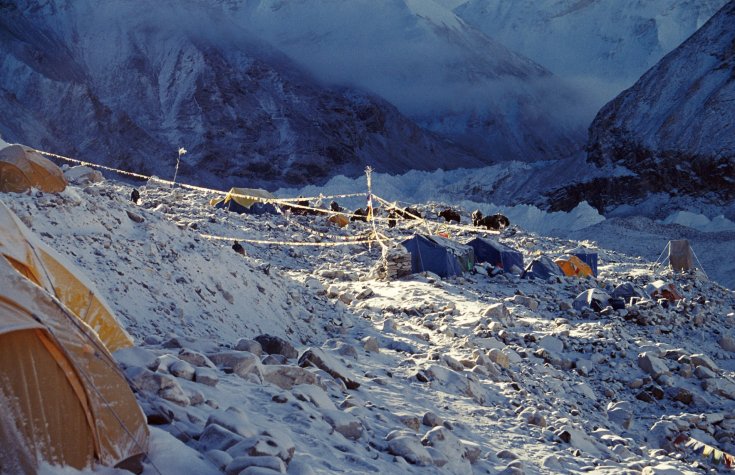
[290, 201]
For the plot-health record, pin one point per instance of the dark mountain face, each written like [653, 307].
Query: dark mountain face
[128, 84]
[673, 131]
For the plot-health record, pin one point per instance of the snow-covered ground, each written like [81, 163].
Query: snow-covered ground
[474, 374]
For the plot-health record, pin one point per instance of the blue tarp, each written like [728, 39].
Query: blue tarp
[255, 208]
[438, 255]
[542, 268]
[497, 254]
[588, 257]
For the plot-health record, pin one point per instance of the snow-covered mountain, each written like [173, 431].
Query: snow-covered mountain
[128, 83]
[674, 130]
[602, 46]
[432, 65]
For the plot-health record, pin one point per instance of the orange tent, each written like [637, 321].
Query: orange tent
[45, 268]
[22, 169]
[339, 219]
[64, 400]
[572, 266]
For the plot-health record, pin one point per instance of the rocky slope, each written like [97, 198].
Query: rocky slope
[673, 131]
[483, 373]
[129, 84]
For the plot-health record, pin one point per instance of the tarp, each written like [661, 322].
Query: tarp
[595, 299]
[45, 268]
[542, 267]
[63, 398]
[681, 256]
[21, 170]
[660, 289]
[572, 266]
[439, 255]
[497, 254]
[586, 256]
[253, 201]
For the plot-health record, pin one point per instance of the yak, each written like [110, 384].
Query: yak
[495, 222]
[449, 215]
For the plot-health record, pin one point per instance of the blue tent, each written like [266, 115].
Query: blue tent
[497, 254]
[586, 256]
[439, 255]
[542, 268]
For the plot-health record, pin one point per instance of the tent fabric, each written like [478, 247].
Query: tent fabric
[586, 256]
[681, 256]
[64, 399]
[252, 203]
[438, 255]
[45, 268]
[595, 299]
[663, 290]
[21, 170]
[542, 267]
[572, 266]
[497, 254]
[339, 219]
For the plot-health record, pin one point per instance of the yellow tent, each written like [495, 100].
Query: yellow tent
[63, 398]
[573, 266]
[21, 169]
[246, 198]
[44, 267]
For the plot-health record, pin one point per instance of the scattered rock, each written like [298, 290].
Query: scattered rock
[239, 464]
[652, 365]
[241, 363]
[370, 343]
[727, 343]
[318, 358]
[286, 376]
[252, 346]
[409, 447]
[206, 376]
[276, 345]
[195, 358]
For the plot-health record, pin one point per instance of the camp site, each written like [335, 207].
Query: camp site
[373, 342]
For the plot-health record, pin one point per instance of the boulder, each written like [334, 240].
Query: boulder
[551, 343]
[239, 464]
[652, 364]
[276, 345]
[216, 437]
[451, 446]
[497, 312]
[234, 420]
[370, 343]
[287, 376]
[262, 445]
[242, 363]
[206, 376]
[195, 358]
[410, 448]
[344, 423]
[252, 346]
[320, 359]
[182, 369]
[727, 343]
[703, 360]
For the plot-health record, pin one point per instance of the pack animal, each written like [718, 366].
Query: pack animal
[359, 215]
[495, 222]
[409, 213]
[450, 215]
